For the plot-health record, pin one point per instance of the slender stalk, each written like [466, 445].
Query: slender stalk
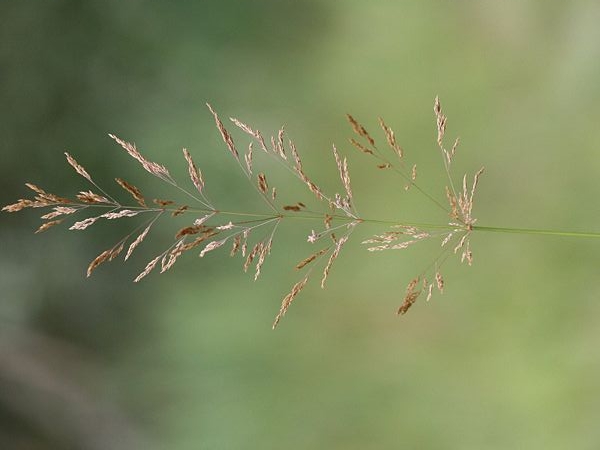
[536, 231]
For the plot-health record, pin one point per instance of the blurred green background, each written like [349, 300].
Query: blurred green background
[506, 358]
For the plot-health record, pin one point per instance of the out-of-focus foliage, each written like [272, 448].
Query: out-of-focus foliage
[506, 358]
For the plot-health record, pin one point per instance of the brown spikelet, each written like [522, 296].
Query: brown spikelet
[59, 211]
[237, 240]
[391, 138]
[413, 173]
[262, 254]
[199, 240]
[254, 133]
[43, 198]
[453, 151]
[410, 297]
[180, 210]
[102, 257]
[280, 147]
[91, 198]
[171, 258]
[248, 158]
[203, 219]
[160, 202]
[78, 167]
[194, 229]
[116, 251]
[359, 129]
[83, 224]
[262, 183]
[151, 265]
[453, 203]
[134, 191]
[255, 251]
[467, 254]
[120, 214]
[194, 172]
[473, 188]
[47, 225]
[338, 247]
[327, 221]
[35, 188]
[137, 242]
[439, 281]
[440, 119]
[384, 166]
[297, 207]
[15, 207]
[342, 166]
[152, 167]
[299, 170]
[242, 126]
[224, 134]
[361, 147]
[311, 258]
[212, 246]
[288, 299]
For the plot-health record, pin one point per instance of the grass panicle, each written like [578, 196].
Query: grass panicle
[251, 235]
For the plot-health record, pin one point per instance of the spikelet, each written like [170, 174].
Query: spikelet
[137, 241]
[311, 258]
[102, 257]
[47, 225]
[288, 299]
[248, 158]
[224, 134]
[154, 168]
[262, 254]
[361, 147]
[59, 211]
[237, 240]
[91, 198]
[338, 247]
[410, 297]
[186, 231]
[18, 206]
[247, 129]
[391, 139]
[194, 172]
[441, 120]
[359, 129]
[83, 224]
[149, 267]
[120, 214]
[180, 210]
[429, 291]
[211, 246]
[78, 167]
[342, 166]
[262, 183]
[439, 281]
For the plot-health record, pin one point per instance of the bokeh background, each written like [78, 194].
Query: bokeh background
[506, 358]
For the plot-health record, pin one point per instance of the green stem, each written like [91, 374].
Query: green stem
[536, 231]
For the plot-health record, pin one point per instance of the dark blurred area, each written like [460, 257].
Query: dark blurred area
[187, 360]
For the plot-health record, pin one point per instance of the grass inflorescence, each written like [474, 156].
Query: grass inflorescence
[251, 234]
